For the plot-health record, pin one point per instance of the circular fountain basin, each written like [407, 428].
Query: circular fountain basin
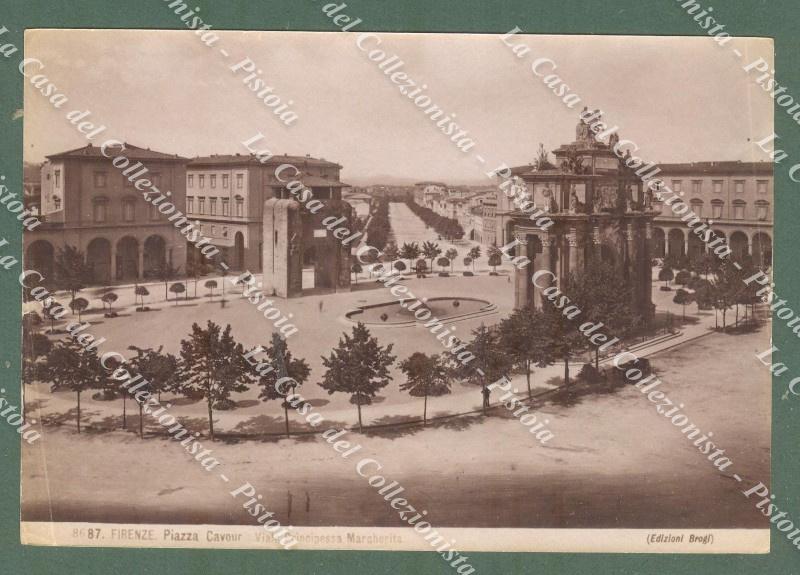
[442, 308]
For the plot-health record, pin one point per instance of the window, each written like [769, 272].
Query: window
[57, 176]
[100, 208]
[761, 186]
[212, 204]
[240, 181]
[100, 179]
[190, 181]
[128, 209]
[201, 180]
[239, 207]
[676, 186]
[201, 205]
[717, 185]
[213, 178]
[697, 186]
[738, 210]
[716, 209]
[189, 204]
[762, 210]
[154, 212]
[225, 232]
[738, 186]
[213, 230]
[57, 203]
[225, 179]
[697, 207]
[225, 207]
[156, 179]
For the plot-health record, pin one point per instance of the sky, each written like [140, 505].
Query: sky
[679, 98]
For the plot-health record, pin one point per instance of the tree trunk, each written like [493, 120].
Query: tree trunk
[528, 378]
[358, 402]
[79, 411]
[210, 420]
[425, 411]
[566, 370]
[597, 358]
[124, 412]
[286, 416]
[141, 421]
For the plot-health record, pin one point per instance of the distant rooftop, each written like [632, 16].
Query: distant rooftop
[130, 151]
[718, 168]
[243, 159]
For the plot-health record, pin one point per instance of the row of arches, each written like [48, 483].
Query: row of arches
[675, 242]
[125, 260]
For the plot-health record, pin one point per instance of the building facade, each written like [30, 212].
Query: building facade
[88, 203]
[736, 197]
[226, 195]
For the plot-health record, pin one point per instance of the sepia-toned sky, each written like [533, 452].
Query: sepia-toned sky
[679, 98]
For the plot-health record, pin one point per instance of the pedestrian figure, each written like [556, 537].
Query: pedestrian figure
[508, 278]
[486, 392]
[289, 498]
[320, 306]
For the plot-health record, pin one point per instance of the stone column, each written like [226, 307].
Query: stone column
[521, 281]
[141, 262]
[630, 251]
[596, 242]
[112, 273]
[549, 256]
[538, 260]
[575, 251]
[647, 279]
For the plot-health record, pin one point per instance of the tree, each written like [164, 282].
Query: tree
[522, 338]
[726, 285]
[562, 334]
[211, 285]
[356, 269]
[443, 262]
[425, 375]
[391, 252]
[683, 277]
[159, 370]
[165, 272]
[78, 305]
[109, 299]
[495, 260]
[51, 317]
[142, 292]
[70, 270]
[666, 275]
[682, 297]
[400, 266]
[284, 365]
[467, 261]
[177, 288]
[409, 251]
[474, 254]
[70, 365]
[213, 366]
[358, 366]
[491, 360]
[421, 267]
[431, 251]
[451, 255]
[34, 346]
[604, 297]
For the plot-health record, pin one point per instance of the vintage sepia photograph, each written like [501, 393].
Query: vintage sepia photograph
[368, 290]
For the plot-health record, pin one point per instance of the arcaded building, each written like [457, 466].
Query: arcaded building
[600, 210]
[735, 197]
[88, 203]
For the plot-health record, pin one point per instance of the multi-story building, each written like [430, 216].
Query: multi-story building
[427, 193]
[735, 196]
[88, 203]
[226, 195]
